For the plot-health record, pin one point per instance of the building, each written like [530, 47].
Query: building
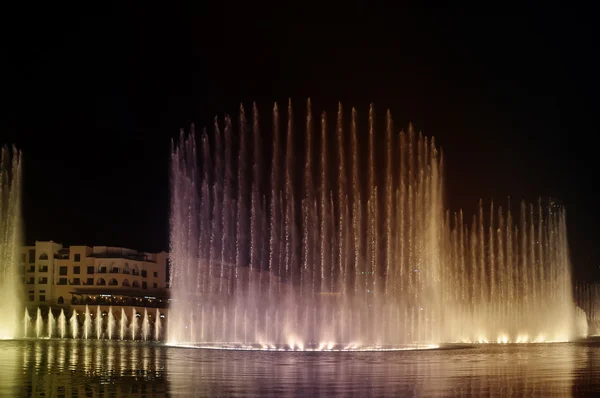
[69, 277]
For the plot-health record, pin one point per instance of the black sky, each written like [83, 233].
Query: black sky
[94, 95]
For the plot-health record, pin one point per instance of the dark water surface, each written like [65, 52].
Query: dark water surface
[124, 369]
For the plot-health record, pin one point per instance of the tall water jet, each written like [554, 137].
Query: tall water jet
[39, 324]
[87, 323]
[134, 324]
[99, 317]
[123, 325]
[26, 323]
[10, 242]
[145, 326]
[51, 324]
[62, 324]
[110, 327]
[157, 326]
[74, 325]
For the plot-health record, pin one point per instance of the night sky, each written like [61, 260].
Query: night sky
[93, 97]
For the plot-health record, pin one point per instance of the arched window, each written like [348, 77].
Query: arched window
[101, 282]
[113, 282]
[102, 269]
[44, 256]
[135, 284]
[135, 270]
[61, 300]
[126, 283]
[114, 269]
[126, 269]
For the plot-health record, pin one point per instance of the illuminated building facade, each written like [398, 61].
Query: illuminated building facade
[69, 277]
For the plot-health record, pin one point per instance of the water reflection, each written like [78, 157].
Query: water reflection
[532, 370]
[126, 369]
[81, 368]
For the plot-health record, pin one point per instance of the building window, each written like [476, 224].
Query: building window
[126, 283]
[135, 284]
[102, 270]
[115, 270]
[90, 281]
[144, 274]
[43, 268]
[31, 280]
[77, 258]
[113, 282]
[62, 281]
[43, 281]
[31, 298]
[155, 285]
[76, 270]
[101, 282]
[61, 300]
[76, 281]
[62, 270]
[144, 285]
[31, 268]
[155, 274]
[42, 297]
[43, 256]
[90, 270]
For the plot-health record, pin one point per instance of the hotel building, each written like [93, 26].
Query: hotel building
[69, 277]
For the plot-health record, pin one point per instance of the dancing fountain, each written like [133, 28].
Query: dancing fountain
[510, 281]
[91, 325]
[10, 242]
[352, 250]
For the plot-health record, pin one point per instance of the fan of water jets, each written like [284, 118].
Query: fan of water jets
[10, 242]
[95, 323]
[331, 237]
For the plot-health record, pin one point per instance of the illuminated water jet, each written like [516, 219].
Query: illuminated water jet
[11, 305]
[267, 254]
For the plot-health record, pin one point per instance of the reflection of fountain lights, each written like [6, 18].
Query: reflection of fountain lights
[299, 347]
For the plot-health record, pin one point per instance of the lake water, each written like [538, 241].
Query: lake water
[124, 369]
